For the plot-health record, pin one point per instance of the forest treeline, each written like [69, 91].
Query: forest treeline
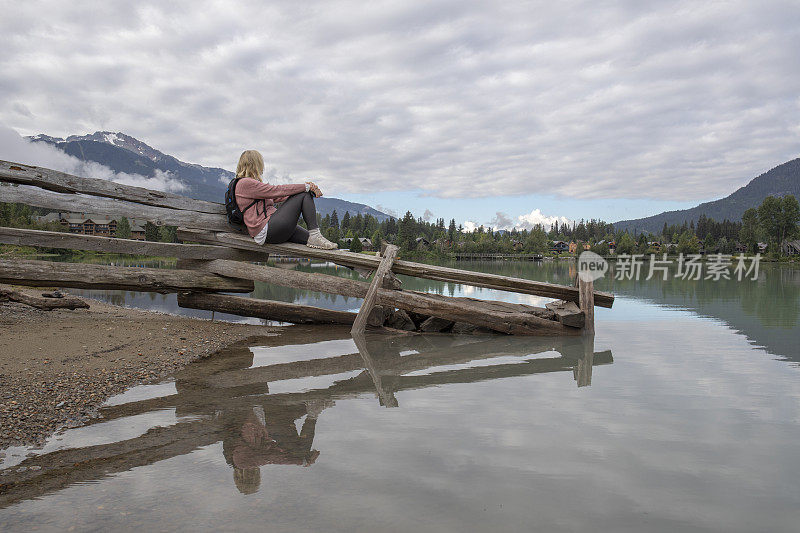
[772, 223]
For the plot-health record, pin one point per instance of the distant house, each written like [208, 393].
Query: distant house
[422, 243]
[366, 244]
[740, 248]
[655, 245]
[611, 244]
[518, 245]
[93, 224]
[762, 247]
[791, 247]
[559, 246]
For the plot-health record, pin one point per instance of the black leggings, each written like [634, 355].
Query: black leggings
[283, 222]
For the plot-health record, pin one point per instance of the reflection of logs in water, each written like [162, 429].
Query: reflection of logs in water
[204, 388]
[224, 388]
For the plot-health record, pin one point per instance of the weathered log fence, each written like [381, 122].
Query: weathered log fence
[214, 259]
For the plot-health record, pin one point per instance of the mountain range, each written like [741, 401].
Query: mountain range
[123, 153]
[780, 181]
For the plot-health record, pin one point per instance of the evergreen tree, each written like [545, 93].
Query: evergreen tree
[355, 245]
[151, 232]
[769, 217]
[123, 228]
[406, 232]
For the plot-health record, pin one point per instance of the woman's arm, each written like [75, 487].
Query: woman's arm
[251, 188]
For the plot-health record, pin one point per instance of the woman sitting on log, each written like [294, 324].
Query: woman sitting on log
[265, 222]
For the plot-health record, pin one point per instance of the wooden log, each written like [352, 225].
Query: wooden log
[499, 316]
[159, 216]
[56, 181]
[267, 309]
[372, 292]
[71, 241]
[46, 304]
[567, 313]
[84, 276]
[434, 272]
[587, 303]
[517, 323]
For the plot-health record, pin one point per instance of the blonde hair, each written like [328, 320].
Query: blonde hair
[251, 165]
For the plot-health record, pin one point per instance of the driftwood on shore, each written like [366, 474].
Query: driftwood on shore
[46, 304]
[219, 263]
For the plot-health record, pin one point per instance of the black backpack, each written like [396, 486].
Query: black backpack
[236, 215]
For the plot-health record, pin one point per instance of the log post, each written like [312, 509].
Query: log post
[586, 290]
[372, 293]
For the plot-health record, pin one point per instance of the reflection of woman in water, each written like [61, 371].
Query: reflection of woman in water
[269, 436]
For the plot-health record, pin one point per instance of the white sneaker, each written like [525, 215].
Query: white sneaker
[316, 240]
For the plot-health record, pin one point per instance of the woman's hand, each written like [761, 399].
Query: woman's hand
[312, 187]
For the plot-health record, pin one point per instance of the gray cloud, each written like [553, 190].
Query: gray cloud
[670, 100]
[501, 221]
[427, 215]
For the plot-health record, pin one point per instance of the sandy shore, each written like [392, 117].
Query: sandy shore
[57, 367]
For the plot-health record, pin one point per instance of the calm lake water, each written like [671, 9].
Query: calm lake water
[682, 414]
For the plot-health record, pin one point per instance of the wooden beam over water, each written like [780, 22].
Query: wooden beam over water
[87, 276]
[71, 241]
[434, 272]
[267, 309]
[498, 316]
[372, 293]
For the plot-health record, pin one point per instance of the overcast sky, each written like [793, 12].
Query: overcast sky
[577, 109]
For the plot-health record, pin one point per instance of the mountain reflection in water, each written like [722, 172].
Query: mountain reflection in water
[226, 398]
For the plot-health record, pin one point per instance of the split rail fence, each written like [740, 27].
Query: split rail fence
[214, 260]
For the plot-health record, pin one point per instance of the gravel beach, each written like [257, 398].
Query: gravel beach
[57, 367]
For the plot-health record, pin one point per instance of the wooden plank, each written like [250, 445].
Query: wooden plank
[372, 293]
[76, 203]
[56, 181]
[85, 276]
[587, 303]
[435, 272]
[267, 309]
[47, 304]
[506, 318]
[568, 313]
[70, 241]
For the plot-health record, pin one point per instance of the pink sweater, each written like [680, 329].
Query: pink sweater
[249, 189]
